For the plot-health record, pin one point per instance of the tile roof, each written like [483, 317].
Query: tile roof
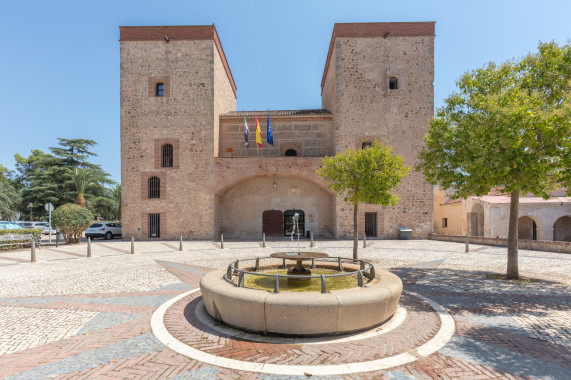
[314, 112]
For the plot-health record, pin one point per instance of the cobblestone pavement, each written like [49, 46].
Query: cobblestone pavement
[69, 316]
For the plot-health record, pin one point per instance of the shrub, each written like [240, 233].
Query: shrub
[72, 220]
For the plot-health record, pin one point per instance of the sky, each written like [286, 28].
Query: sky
[59, 60]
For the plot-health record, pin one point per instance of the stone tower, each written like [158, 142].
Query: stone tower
[378, 83]
[175, 82]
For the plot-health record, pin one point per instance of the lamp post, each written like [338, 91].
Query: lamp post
[31, 205]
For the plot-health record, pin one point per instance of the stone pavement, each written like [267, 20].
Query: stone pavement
[68, 316]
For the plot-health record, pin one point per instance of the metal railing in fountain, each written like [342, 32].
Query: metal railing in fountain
[366, 270]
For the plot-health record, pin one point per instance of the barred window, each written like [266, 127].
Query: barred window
[167, 156]
[291, 153]
[154, 187]
[160, 89]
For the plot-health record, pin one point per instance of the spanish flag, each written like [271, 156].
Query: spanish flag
[258, 133]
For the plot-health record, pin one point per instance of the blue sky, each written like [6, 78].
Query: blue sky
[60, 59]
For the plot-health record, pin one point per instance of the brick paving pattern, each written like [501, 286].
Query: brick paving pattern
[69, 317]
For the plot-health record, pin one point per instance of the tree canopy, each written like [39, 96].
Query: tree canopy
[369, 175]
[507, 126]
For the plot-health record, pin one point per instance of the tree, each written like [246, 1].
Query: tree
[509, 127]
[9, 196]
[369, 175]
[82, 179]
[117, 198]
[72, 219]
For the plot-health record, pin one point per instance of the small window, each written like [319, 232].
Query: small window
[160, 89]
[167, 156]
[393, 83]
[291, 153]
[366, 144]
[154, 187]
[444, 222]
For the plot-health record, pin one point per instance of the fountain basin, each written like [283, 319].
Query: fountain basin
[302, 313]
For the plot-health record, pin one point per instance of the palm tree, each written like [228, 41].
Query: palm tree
[117, 198]
[82, 178]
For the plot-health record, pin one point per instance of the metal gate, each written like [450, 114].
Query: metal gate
[288, 222]
[154, 225]
[371, 224]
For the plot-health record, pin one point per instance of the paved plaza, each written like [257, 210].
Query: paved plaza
[121, 316]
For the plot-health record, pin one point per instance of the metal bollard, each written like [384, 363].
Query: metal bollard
[312, 244]
[57, 240]
[180, 245]
[88, 247]
[467, 242]
[277, 284]
[221, 240]
[364, 240]
[132, 245]
[323, 284]
[257, 264]
[263, 240]
[33, 259]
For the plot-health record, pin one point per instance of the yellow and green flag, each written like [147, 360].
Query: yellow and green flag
[258, 133]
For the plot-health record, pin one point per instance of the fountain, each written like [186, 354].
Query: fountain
[258, 307]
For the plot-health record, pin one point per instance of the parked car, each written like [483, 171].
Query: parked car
[48, 230]
[106, 230]
[34, 224]
[10, 226]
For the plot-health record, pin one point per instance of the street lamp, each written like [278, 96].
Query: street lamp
[31, 205]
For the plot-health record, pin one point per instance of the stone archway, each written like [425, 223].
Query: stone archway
[527, 228]
[562, 229]
[241, 208]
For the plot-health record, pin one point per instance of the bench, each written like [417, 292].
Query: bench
[17, 239]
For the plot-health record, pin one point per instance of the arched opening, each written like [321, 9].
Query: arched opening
[154, 187]
[289, 222]
[526, 228]
[562, 229]
[167, 156]
[476, 217]
[291, 153]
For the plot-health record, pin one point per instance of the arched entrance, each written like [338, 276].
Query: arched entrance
[526, 228]
[476, 217]
[562, 229]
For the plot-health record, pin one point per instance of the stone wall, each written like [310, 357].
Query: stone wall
[535, 245]
[366, 109]
[309, 136]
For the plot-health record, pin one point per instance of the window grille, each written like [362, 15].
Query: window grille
[291, 153]
[154, 187]
[371, 224]
[167, 156]
[154, 225]
[160, 89]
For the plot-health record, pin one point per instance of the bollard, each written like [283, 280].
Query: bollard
[57, 240]
[88, 247]
[33, 259]
[221, 240]
[312, 244]
[365, 240]
[263, 240]
[180, 245]
[467, 242]
[132, 245]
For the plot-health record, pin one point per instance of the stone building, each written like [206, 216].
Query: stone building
[186, 170]
[488, 216]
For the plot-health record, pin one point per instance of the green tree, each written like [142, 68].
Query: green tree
[72, 219]
[507, 126]
[369, 175]
[82, 180]
[9, 195]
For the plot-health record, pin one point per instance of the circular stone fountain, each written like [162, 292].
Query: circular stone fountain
[302, 313]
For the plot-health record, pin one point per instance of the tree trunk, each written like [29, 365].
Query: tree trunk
[355, 234]
[513, 271]
[80, 200]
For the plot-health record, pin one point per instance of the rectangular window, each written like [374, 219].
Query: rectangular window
[444, 222]
[154, 226]
[371, 224]
[393, 83]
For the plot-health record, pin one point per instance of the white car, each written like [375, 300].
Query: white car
[41, 225]
[107, 230]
